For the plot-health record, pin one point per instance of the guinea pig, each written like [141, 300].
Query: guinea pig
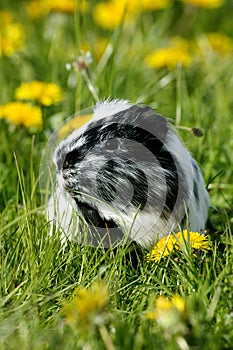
[126, 176]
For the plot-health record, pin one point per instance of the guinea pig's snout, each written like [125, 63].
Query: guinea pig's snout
[65, 175]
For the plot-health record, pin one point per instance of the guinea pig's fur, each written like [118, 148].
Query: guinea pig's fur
[125, 175]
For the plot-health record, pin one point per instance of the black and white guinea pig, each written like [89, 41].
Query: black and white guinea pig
[125, 175]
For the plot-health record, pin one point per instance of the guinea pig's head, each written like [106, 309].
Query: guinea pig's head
[126, 169]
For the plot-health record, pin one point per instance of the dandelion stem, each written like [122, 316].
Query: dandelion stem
[178, 95]
[90, 85]
[106, 338]
[195, 131]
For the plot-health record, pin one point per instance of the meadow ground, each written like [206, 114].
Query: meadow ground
[174, 56]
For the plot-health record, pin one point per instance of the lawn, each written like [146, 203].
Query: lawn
[58, 58]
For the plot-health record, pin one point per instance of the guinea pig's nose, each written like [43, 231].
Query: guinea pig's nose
[65, 176]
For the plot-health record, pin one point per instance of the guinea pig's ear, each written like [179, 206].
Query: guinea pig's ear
[147, 119]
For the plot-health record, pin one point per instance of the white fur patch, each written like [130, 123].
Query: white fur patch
[108, 108]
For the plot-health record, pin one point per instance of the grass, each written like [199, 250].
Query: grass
[38, 275]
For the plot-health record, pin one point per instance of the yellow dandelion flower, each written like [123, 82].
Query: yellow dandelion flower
[45, 93]
[12, 35]
[168, 57]
[86, 304]
[65, 6]
[22, 113]
[177, 52]
[50, 94]
[111, 13]
[220, 43]
[39, 8]
[194, 239]
[28, 91]
[164, 247]
[6, 18]
[205, 3]
[165, 306]
[179, 42]
[73, 124]
[171, 243]
[154, 5]
[179, 303]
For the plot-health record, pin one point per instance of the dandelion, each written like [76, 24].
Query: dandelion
[6, 18]
[205, 3]
[164, 306]
[170, 314]
[50, 94]
[177, 52]
[154, 5]
[220, 43]
[171, 243]
[168, 57]
[39, 8]
[22, 114]
[82, 63]
[12, 35]
[87, 306]
[73, 124]
[46, 94]
[111, 13]
[194, 239]
[164, 247]
[65, 6]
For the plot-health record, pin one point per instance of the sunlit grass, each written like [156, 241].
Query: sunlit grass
[181, 301]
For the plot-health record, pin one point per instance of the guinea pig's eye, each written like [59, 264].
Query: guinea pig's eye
[71, 159]
[112, 144]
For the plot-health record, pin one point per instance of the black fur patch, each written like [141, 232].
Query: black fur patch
[143, 126]
[92, 216]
